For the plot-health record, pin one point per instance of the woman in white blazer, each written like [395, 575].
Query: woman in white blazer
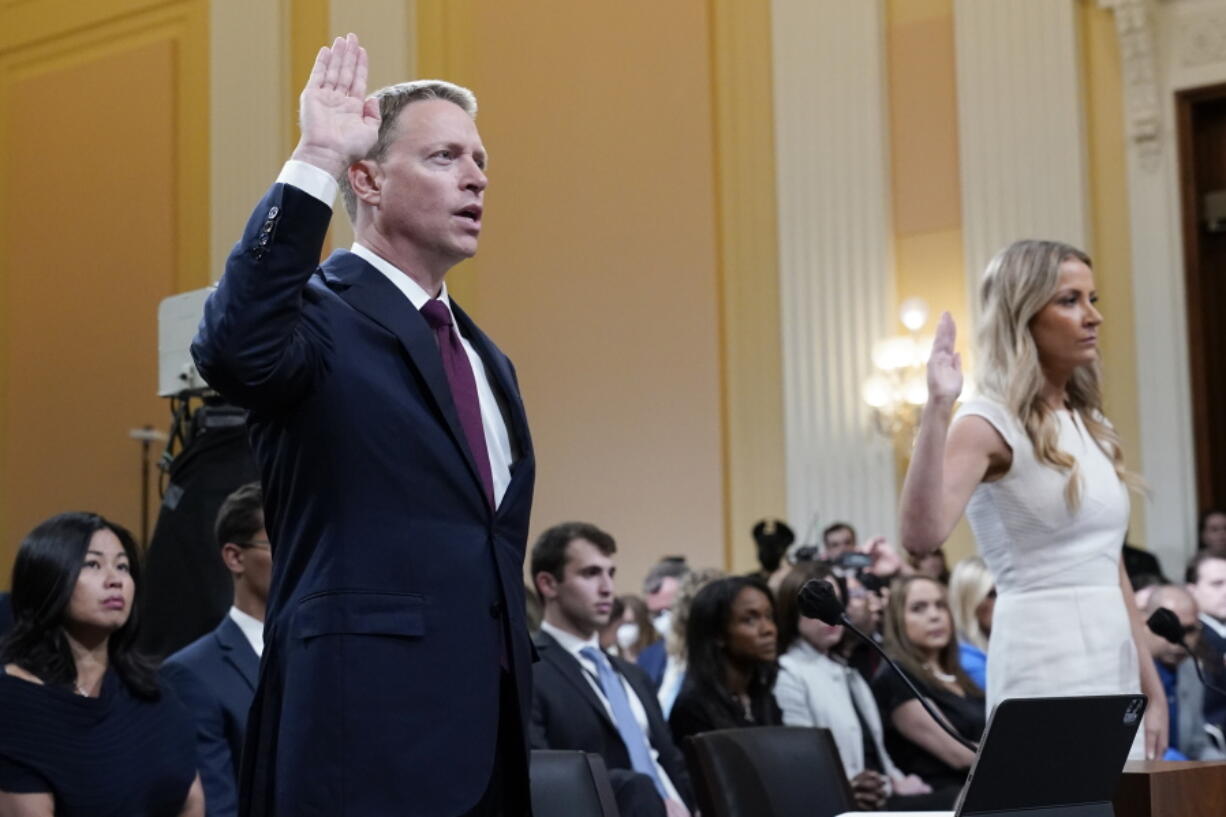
[815, 688]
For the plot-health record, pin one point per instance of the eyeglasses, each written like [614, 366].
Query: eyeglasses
[259, 544]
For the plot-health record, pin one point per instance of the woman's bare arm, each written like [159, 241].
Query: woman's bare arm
[946, 464]
[37, 804]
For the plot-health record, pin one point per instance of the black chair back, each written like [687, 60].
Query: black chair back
[768, 771]
[570, 784]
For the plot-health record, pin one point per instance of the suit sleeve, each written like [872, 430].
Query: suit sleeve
[214, 760]
[537, 729]
[792, 699]
[256, 344]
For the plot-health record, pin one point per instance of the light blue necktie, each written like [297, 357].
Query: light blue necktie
[623, 716]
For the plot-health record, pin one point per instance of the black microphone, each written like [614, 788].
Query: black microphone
[817, 600]
[1164, 623]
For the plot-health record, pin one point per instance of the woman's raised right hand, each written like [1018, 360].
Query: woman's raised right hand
[944, 364]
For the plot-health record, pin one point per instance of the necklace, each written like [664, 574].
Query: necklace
[943, 677]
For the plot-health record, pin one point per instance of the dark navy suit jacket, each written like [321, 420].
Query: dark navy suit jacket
[215, 677]
[567, 714]
[395, 587]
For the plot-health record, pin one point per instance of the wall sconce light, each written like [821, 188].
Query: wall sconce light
[898, 389]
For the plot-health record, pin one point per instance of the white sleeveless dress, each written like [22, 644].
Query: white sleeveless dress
[1060, 626]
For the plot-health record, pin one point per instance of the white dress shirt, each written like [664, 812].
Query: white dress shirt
[252, 628]
[815, 690]
[573, 644]
[317, 183]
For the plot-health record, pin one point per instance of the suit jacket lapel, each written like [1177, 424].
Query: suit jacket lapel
[368, 291]
[566, 664]
[237, 650]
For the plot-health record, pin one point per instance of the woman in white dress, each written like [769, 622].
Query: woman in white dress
[1040, 474]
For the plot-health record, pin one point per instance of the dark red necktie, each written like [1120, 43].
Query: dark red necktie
[463, 388]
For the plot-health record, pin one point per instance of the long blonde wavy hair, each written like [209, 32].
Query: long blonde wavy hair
[1017, 284]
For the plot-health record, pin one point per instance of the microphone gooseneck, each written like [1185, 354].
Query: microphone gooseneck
[817, 600]
[1164, 623]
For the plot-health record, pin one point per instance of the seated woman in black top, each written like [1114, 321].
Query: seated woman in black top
[86, 730]
[919, 635]
[731, 641]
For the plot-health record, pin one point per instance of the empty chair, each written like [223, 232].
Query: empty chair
[570, 784]
[768, 771]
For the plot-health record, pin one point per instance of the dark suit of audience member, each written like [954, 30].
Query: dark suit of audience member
[1213, 637]
[584, 699]
[569, 712]
[216, 675]
[1206, 580]
[653, 660]
[215, 678]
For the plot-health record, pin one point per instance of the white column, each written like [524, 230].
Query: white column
[247, 131]
[386, 29]
[1159, 55]
[1020, 127]
[836, 265]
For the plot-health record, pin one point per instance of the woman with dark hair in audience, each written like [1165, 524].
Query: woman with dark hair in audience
[731, 644]
[919, 636]
[816, 687]
[1212, 531]
[86, 729]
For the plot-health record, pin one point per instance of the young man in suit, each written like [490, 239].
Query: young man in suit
[585, 699]
[396, 463]
[1206, 577]
[215, 675]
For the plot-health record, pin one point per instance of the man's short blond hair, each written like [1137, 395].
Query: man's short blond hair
[392, 100]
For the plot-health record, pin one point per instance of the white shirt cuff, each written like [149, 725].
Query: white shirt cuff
[310, 180]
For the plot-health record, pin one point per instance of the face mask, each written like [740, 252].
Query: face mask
[627, 635]
[663, 621]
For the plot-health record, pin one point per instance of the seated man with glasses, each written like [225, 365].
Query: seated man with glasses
[215, 676]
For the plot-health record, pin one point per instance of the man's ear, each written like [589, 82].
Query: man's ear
[366, 179]
[546, 584]
[232, 555]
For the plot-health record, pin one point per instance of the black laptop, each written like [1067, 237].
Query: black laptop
[1052, 757]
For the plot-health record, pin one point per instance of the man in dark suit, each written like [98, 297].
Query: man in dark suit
[215, 676]
[1206, 577]
[396, 464]
[584, 699]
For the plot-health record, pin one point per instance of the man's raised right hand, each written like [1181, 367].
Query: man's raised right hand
[339, 124]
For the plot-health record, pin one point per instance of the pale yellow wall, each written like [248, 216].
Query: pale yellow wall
[598, 265]
[103, 212]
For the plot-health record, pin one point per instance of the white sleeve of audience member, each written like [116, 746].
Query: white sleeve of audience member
[792, 699]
